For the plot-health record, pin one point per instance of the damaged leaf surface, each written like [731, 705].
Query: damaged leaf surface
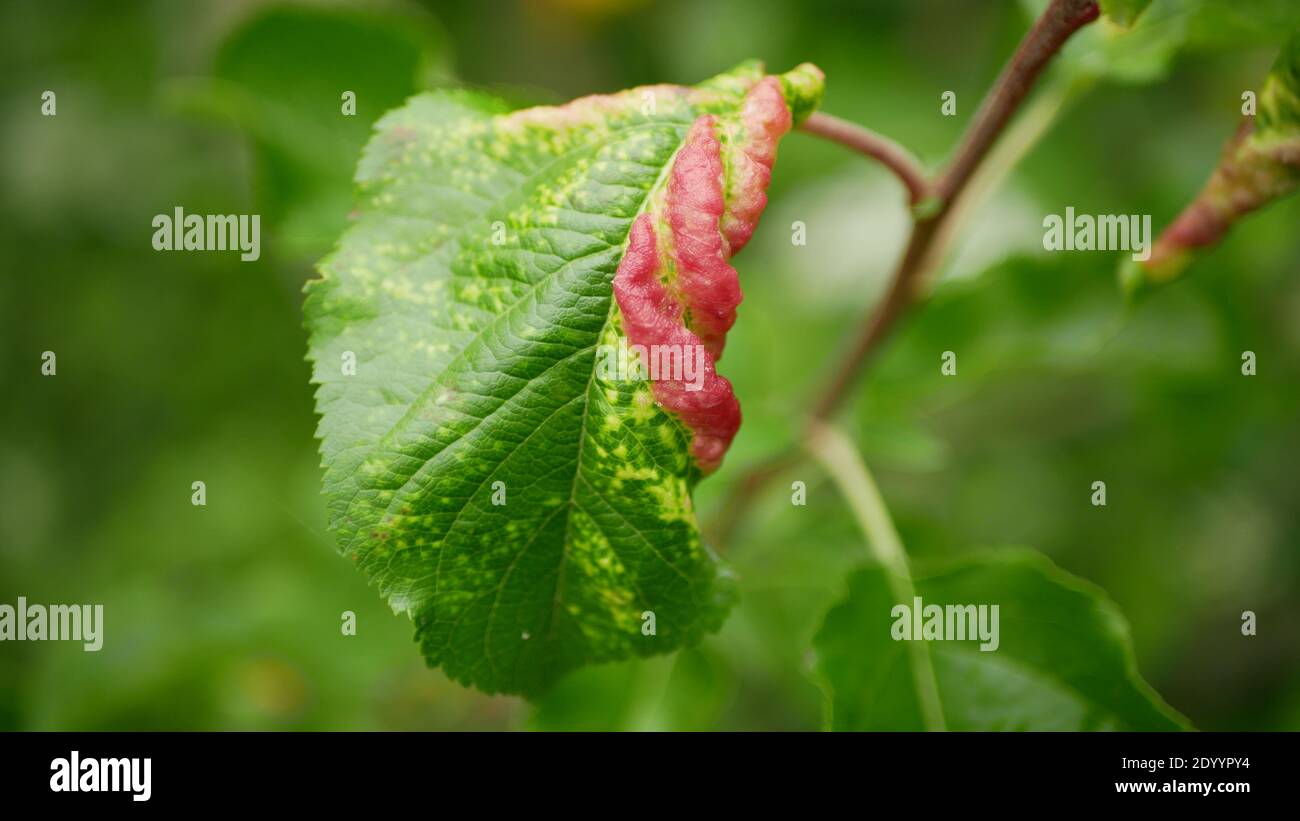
[525, 507]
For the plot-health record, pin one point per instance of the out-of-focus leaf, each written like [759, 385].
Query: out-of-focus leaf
[685, 692]
[1279, 103]
[280, 78]
[1124, 12]
[1063, 659]
[1137, 40]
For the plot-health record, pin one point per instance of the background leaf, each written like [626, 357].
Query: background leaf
[280, 77]
[1064, 661]
[1123, 12]
[1138, 41]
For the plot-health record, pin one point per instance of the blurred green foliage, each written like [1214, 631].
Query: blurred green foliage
[178, 367]
[1064, 665]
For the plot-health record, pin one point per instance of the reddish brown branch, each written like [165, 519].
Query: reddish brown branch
[1059, 21]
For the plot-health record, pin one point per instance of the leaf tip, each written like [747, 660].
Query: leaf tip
[803, 86]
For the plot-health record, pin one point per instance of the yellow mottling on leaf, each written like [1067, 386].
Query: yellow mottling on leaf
[674, 500]
[643, 407]
[633, 472]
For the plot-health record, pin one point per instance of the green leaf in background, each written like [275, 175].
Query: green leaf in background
[280, 77]
[1063, 660]
[1260, 164]
[525, 509]
[1137, 41]
[1123, 12]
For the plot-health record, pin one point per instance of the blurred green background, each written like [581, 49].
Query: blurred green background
[177, 367]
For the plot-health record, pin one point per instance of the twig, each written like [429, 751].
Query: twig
[1060, 20]
[865, 141]
[1058, 23]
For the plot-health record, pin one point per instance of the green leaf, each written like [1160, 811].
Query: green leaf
[526, 508]
[1137, 42]
[1123, 12]
[1279, 101]
[1063, 659]
[279, 77]
[1139, 50]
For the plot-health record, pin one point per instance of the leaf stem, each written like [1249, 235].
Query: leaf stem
[876, 146]
[840, 458]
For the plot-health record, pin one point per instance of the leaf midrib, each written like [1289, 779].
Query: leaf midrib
[582, 435]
